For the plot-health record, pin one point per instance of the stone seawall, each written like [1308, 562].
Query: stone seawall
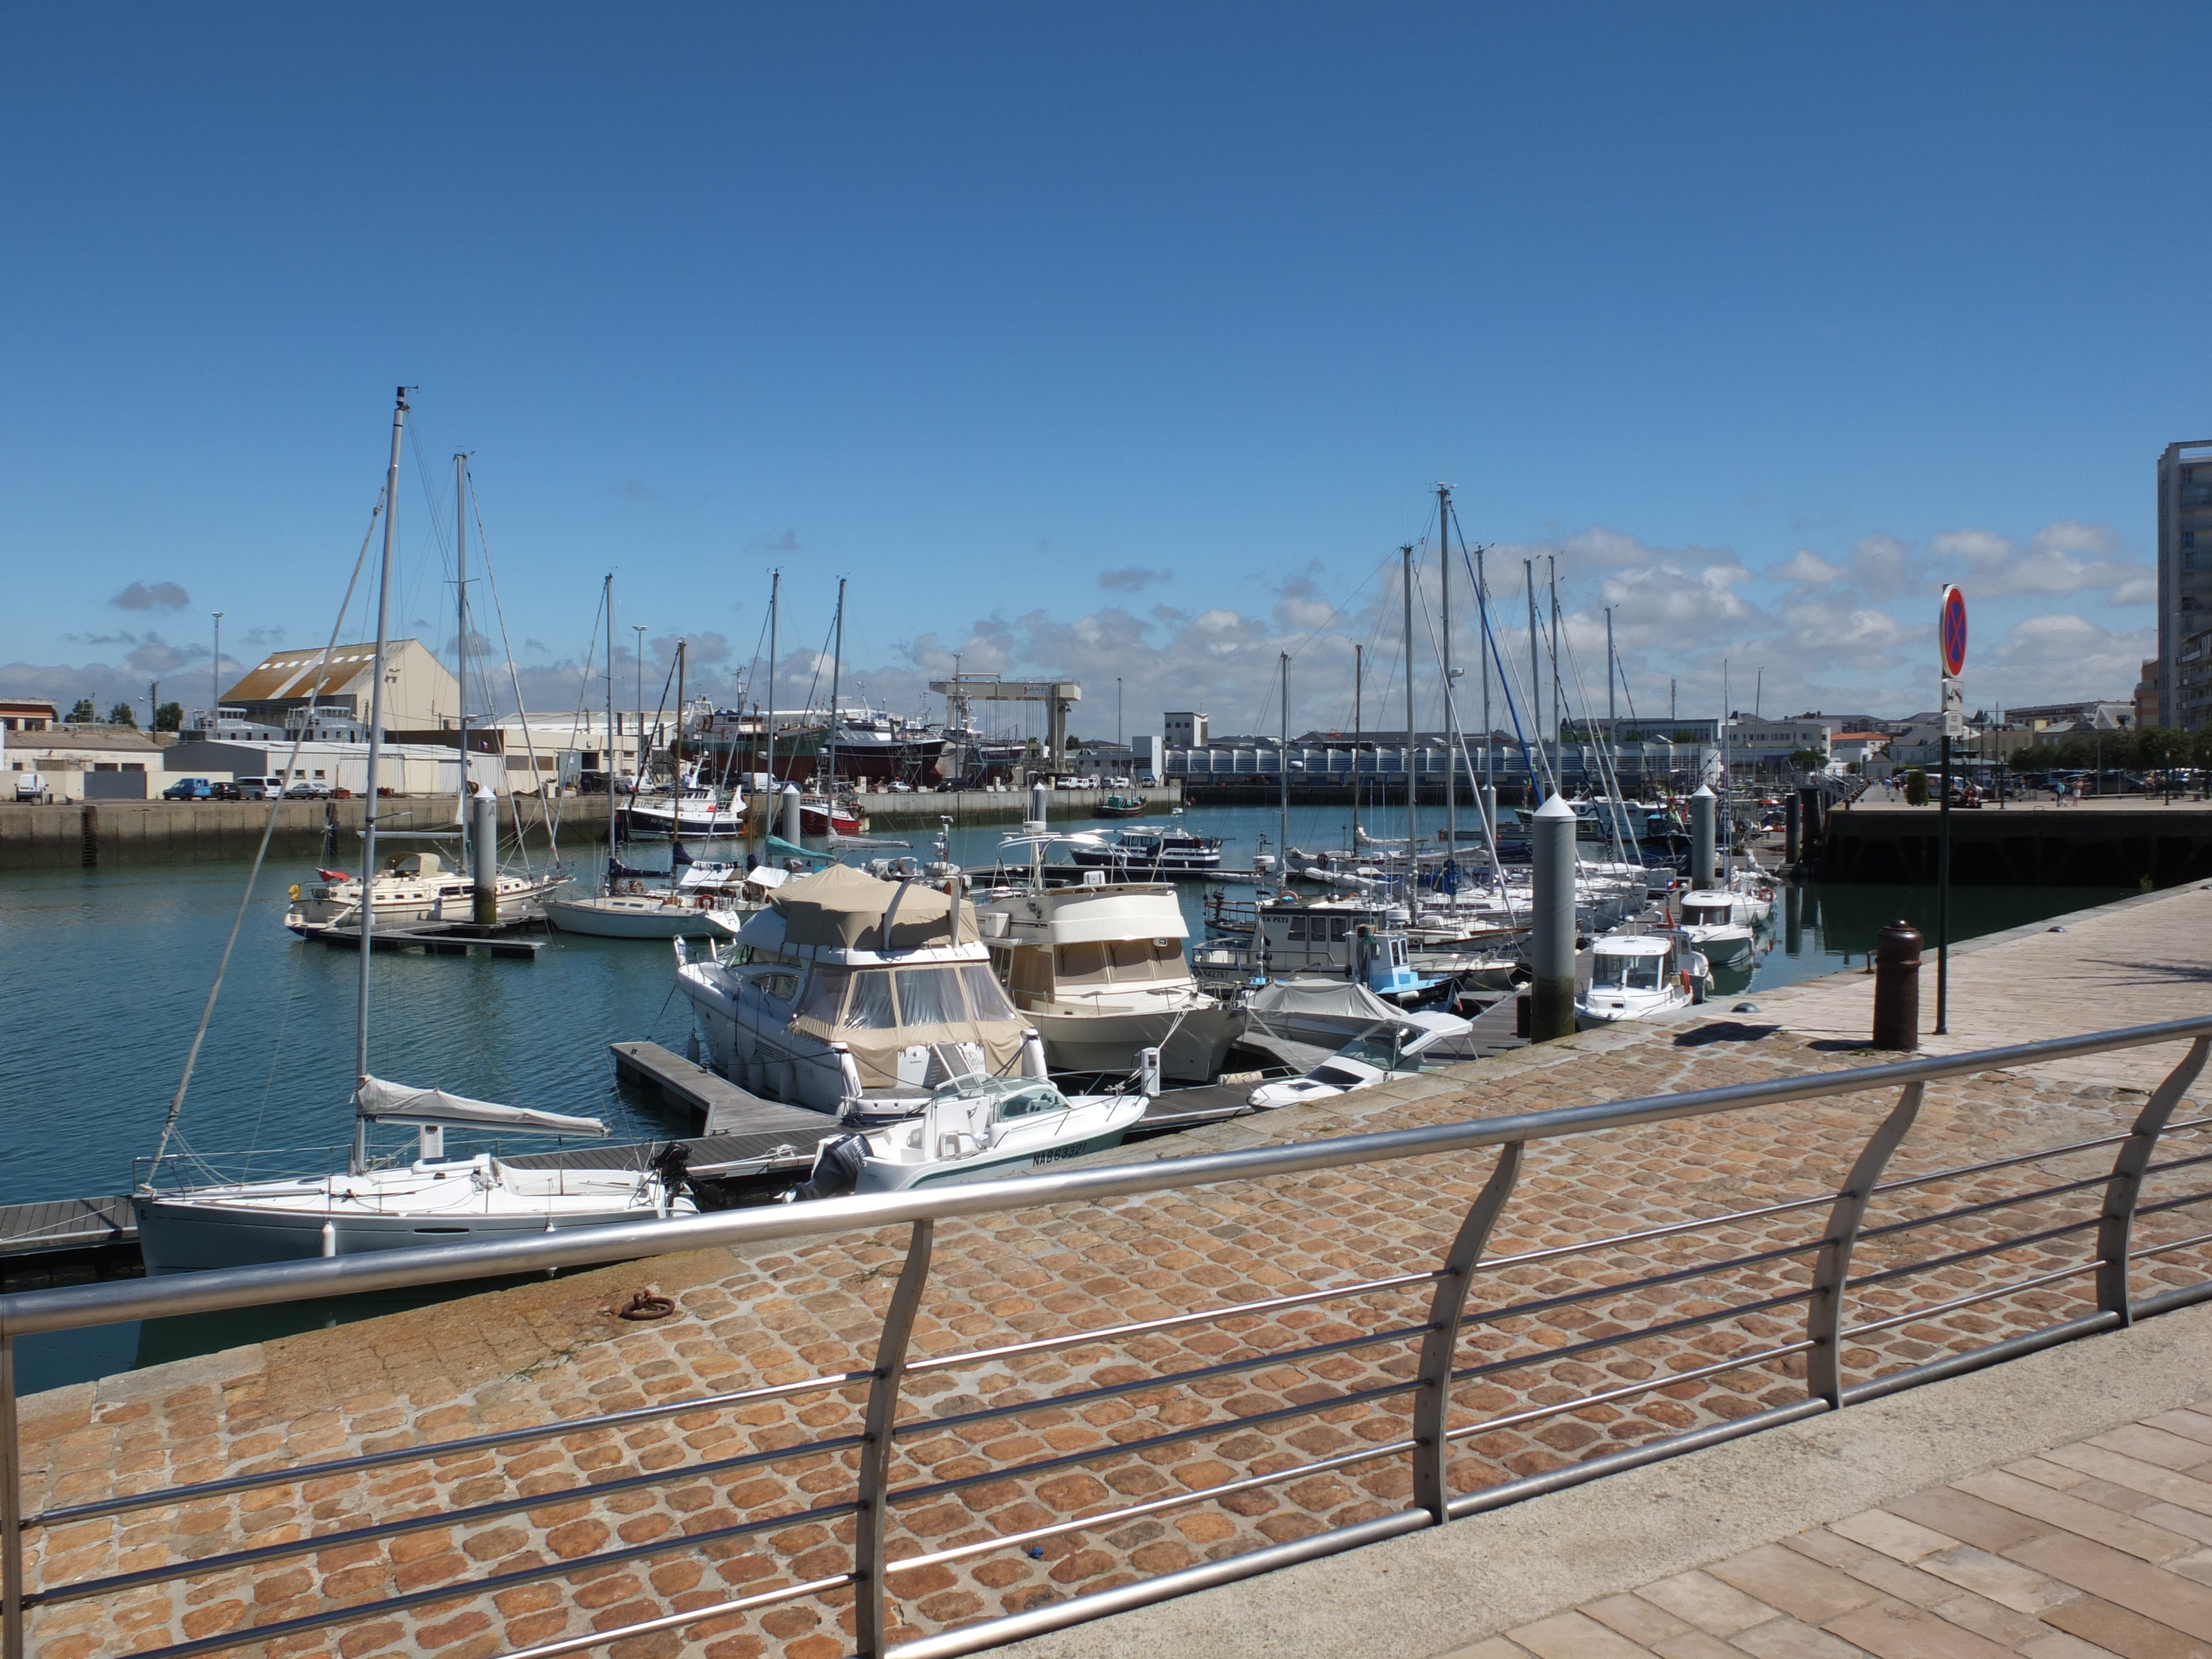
[175, 832]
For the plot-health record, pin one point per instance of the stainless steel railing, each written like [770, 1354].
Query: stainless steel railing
[1415, 1364]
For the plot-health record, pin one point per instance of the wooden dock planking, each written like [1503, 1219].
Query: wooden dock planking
[439, 939]
[66, 1224]
[724, 1109]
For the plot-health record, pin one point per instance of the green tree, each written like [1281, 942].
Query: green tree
[1809, 760]
[82, 715]
[170, 717]
[121, 715]
[1916, 788]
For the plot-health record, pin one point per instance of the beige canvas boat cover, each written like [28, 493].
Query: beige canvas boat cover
[843, 908]
[395, 1102]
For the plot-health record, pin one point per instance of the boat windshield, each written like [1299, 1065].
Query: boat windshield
[1614, 973]
[883, 999]
[1378, 1051]
[1030, 1101]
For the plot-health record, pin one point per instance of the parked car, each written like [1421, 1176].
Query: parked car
[260, 788]
[30, 785]
[308, 789]
[227, 791]
[189, 789]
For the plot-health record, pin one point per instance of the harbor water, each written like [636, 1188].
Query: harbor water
[105, 972]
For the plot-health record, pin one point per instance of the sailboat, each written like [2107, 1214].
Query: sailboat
[432, 1199]
[628, 907]
[419, 886]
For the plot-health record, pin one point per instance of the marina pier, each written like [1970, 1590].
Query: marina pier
[1689, 1343]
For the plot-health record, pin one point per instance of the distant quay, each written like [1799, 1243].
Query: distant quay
[91, 834]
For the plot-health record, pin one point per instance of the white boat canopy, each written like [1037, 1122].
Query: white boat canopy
[379, 1102]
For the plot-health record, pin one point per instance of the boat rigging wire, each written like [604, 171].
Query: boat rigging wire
[260, 856]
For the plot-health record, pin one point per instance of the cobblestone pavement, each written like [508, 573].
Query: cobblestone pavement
[551, 1351]
[2092, 1549]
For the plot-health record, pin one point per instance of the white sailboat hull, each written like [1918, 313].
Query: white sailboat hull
[625, 916]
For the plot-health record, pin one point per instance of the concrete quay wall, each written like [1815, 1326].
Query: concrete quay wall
[155, 832]
[2109, 843]
[552, 1351]
[165, 831]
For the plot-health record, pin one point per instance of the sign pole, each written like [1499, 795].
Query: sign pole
[1943, 897]
[1951, 636]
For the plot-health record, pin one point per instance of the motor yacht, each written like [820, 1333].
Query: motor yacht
[850, 995]
[1099, 970]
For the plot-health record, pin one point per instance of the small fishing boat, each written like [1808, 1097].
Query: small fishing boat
[1638, 975]
[1122, 806]
[974, 1127]
[1719, 924]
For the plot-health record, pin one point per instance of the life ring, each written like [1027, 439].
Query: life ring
[1767, 895]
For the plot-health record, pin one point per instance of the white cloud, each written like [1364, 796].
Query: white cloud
[2065, 556]
[1807, 568]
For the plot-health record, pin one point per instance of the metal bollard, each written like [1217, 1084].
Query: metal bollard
[483, 855]
[1792, 847]
[791, 817]
[1897, 987]
[1704, 860]
[1551, 923]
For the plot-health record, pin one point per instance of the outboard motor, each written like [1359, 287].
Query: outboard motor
[672, 1164]
[836, 1170]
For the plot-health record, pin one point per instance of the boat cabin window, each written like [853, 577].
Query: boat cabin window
[986, 1001]
[781, 985]
[1029, 1103]
[1118, 962]
[825, 995]
[930, 996]
[1626, 972]
[870, 1007]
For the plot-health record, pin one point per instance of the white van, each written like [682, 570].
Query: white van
[260, 788]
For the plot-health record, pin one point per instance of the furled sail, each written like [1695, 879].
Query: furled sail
[395, 1102]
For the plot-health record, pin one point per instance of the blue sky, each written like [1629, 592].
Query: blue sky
[1104, 342]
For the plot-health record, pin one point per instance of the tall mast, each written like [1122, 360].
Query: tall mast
[461, 636]
[1536, 679]
[1611, 712]
[676, 764]
[768, 717]
[367, 923]
[1482, 614]
[1451, 700]
[1358, 677]
[1283, 781]
[1558, 720]
[1412, 778]
[836, 661]
[637, 777]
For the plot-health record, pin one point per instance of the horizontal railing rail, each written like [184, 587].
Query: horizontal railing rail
[1405, 1370]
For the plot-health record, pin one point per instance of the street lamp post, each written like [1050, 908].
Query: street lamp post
[214, 675]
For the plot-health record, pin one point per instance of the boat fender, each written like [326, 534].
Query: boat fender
[295, 892]
[330, 1238]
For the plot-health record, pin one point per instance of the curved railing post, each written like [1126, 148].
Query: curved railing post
[2115, 1224]
[1831, 1268]
[876, 1451]
[11, 1509]
[1432, 1405]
